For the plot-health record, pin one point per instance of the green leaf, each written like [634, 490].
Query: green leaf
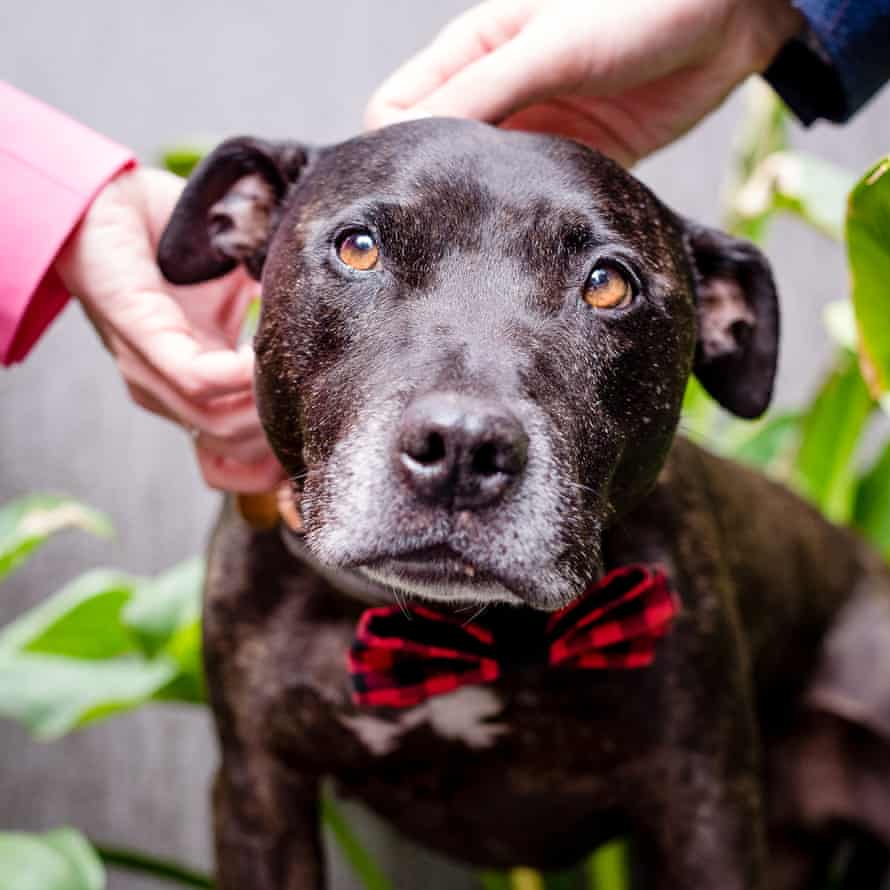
[28, 522]
[161, 606]
[868, 247]
[701, 413]
[81, 620]
[52, 695]
[251, 320]
[162, 869]
[105, 643]
[763, 132]
[182, 159]
[607, 868]
[840, 322]
[526, 879]
[871, 513]
[830, 434]
[185, 649]
[765, 443]
[806, 186]
[361, 862]
[58, 860]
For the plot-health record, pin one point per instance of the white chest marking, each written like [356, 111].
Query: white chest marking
[461, 716]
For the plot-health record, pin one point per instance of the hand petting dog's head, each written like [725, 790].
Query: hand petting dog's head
[473, 344]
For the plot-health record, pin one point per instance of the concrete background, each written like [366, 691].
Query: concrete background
[150, 74]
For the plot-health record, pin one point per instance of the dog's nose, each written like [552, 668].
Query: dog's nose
[460, 451]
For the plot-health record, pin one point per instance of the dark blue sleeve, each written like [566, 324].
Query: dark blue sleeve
[840, 61]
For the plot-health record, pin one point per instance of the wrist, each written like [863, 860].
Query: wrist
[771, 24]
[97, 215]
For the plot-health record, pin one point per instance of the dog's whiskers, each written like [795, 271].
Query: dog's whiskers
[401, 602]
[475, 614]
[581, 486]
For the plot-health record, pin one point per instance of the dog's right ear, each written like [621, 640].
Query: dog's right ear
[229, 210]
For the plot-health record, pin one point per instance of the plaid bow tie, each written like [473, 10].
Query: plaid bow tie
[401, 658]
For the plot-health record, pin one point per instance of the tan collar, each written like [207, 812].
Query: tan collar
[281, 509]
[265, 511]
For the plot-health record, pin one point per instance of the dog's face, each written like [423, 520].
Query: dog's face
[473, 344]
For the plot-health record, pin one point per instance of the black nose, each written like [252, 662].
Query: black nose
[460, 451]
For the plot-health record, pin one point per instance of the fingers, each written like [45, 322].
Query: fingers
[249, 449]
[153, 330]
[214, 395]
[470, 37]
[241, 464]
[496, 84]
[230, 475]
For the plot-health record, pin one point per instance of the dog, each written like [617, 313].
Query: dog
[471, 359]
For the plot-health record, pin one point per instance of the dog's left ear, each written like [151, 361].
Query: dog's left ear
[738, 320]
[229, 209]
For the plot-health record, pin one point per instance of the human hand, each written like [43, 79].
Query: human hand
[624, 77]
[175, 346]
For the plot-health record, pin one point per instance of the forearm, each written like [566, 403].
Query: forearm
[840, 61]
[51, 168]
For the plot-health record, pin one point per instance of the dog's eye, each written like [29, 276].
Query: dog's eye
[358, 250]
[608, 287]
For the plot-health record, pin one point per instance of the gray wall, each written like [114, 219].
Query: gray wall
[149, 74]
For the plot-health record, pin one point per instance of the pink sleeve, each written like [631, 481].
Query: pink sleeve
[51, 168]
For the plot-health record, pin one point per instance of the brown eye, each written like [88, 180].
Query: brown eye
[608, 287]
[358, 250]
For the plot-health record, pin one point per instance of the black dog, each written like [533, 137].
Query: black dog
[471, 359]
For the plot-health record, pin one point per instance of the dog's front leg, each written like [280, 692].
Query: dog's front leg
[713, 843]
[700, 811]
[266, 827]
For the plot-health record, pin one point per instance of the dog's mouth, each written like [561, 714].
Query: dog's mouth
[439, 573]
[431, 565]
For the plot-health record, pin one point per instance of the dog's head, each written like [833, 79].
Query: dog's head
[473, 343]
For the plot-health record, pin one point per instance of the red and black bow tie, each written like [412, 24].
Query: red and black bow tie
[400, 658]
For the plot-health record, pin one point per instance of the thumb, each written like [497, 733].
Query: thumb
[497, 84]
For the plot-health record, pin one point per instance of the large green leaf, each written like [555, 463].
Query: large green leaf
[81, 621]
[701, 414]
[868, 246]
[165, 616]
[57, 860]
[871, 513]
[184, 647]
[105, 643]
[52, 695]
[830, 433]
[361, 862]
[163, 605]
[764, 444]
[29, 521]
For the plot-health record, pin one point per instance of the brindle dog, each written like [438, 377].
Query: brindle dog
[471, 359]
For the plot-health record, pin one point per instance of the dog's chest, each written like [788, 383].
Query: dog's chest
[536, 729]
[491, 773]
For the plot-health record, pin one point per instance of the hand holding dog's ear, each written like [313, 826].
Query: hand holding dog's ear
[229, 210]
[175, 347]
[626, 78]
